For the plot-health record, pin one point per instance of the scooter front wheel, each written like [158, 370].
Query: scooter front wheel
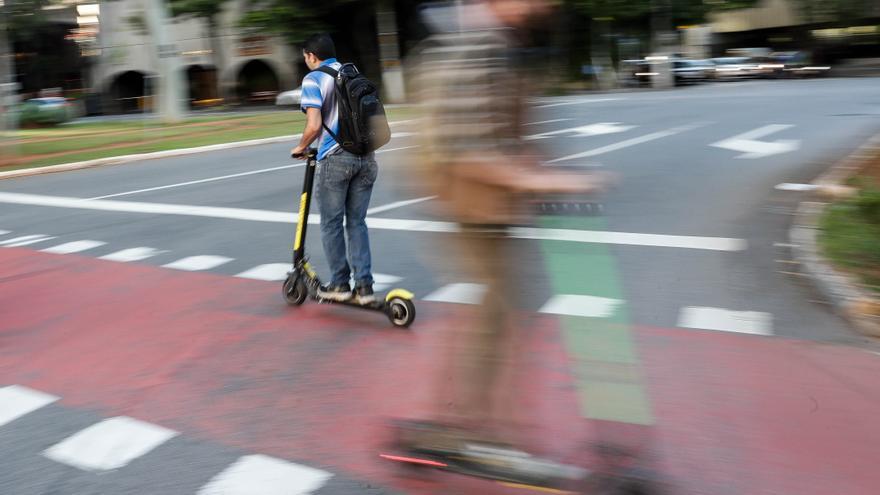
[401, 312]
[294, 291]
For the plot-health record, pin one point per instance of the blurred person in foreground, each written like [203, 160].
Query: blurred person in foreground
[472, 87]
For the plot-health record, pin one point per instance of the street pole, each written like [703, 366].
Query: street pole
[8, 88]
[661, 50]
[170, 80]
[389, 53]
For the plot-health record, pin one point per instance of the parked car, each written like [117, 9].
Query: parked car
[687, 71]
[292, 97]
[730, 68]
[45, 111]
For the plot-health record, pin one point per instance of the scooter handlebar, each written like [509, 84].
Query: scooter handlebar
[309, 153]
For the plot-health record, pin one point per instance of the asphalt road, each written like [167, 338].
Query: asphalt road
[693, 235]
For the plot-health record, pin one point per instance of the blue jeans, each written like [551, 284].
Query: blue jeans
[345, 184]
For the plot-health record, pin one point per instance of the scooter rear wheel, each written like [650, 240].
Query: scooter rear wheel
[401, 312]
[294, 291]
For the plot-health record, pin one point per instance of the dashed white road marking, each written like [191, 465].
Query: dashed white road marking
[109, 444]
[581, 305]
[460, 293]
[725, 320]
[264, 475]
[198, 263]
[17, 401]
[74, 247]
[132, 254]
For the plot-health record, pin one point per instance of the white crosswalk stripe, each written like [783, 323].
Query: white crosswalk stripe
[109, 444]
[460, 293]
[132, 254]
[16, 401]
[580, 305]
[725, 320]
[271, 272]
[74, 247]
[264, 475]
[25, 240]
[198, 263]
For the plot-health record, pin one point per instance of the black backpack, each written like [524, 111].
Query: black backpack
[363, 126]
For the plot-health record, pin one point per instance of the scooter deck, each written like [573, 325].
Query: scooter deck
[450, 465]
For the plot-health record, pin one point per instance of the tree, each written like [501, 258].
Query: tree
[837, 10]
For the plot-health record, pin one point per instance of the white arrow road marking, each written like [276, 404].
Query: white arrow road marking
[747, 143]
[630, 142]
[586, 130]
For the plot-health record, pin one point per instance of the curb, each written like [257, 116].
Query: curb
[116, 160]
[843, 291]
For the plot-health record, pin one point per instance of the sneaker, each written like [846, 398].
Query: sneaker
[339, 293]
[364, 295]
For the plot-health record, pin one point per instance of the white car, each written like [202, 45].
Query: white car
[292, 97]
[734, 68]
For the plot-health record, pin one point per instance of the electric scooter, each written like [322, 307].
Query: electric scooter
[302, 282]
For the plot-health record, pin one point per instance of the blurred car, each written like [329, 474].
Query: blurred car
[797, 64]
[687, 71]
[730, 68]
[292, 97]
[45, 111]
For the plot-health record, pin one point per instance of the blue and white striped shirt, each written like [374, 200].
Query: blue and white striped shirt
[318, 92]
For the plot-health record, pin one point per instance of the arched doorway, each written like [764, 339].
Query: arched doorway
[202, 82]
[128, 93]
[257, 83]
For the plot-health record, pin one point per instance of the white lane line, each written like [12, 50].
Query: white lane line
[787, 186]
[110, 444]
[583, 236]
[404, 134]
[389, 150]
[399, 204]
[631, 239]
[198, 263]
[270, 272]
[402, 122]
[201, 181]
[25, 240]
[17, 401]
[725, 320]
[577, 102]
[629, 142]
[264, 475]
[74, 247]
[581, 305]
[460, 293]
[132, 254]
[4, 232]
[233, 176]
[552, 121]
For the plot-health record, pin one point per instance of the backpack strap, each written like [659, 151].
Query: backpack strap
[334, 74]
